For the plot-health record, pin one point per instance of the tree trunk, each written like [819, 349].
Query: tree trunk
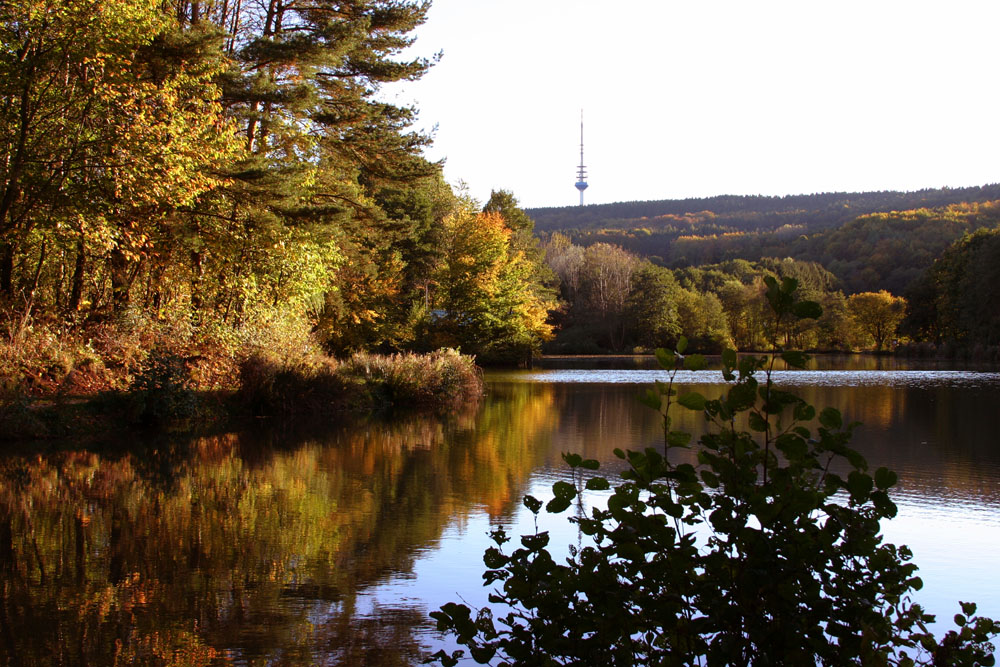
[6, 271]
[38, 272]
[197, 277]
[119, 270]
[76, 292]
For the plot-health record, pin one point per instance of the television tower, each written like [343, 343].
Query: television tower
[581, 171]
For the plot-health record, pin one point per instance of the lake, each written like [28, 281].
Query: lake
[314, 545]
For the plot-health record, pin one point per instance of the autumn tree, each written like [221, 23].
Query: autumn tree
[103, 136]
[485, 298]
[701, 314]
[746, 313]
[877, 314]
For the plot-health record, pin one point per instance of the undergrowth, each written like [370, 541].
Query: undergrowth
[320, 384]
[58, 377]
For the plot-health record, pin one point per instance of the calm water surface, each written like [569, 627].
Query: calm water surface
[312, 546]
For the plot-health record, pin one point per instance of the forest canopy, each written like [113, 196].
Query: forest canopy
[228, 173]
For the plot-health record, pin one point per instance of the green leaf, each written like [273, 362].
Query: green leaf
[859, 484]
[665, 358]
[557, 505]
[590, 464]
[483, 654]
[494, 558]
[563, 489]
[804, 412]
[750, 364]
[776, 398]
[692, 400]
[573, 460]
[535, 542]
[793, 446]
[855, 458]
[631, 551]
[830, 418]
[807, 310]
[729, 362]
[795, 359]
[742, 396]
[616, 504]
[650, 399]
[533, 504]
[885, 478]
[884, 504]
[695, 362]
[757, 423]
[682, 344]
[441, 656]
[598, 484]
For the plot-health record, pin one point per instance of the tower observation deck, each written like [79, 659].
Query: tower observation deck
[581, 171]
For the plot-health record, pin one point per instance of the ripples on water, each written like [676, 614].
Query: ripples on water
[794, 378]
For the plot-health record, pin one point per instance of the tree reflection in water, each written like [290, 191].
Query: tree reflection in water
[274, 546]
[246, 547]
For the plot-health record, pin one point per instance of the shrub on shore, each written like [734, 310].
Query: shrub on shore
[58, 378]
[318, 384]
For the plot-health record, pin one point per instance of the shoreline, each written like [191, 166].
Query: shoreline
[162, 398]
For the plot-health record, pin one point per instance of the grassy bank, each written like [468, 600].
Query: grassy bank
[60, 381]
[363, 383]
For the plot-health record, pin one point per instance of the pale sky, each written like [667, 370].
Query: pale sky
[702, 97]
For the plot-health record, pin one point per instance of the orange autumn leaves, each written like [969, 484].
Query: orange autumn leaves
[485, 291]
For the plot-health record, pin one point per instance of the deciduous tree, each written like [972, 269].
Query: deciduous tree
[877, 314]
[485, 294]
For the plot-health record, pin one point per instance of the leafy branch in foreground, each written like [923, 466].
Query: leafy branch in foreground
[766, 550]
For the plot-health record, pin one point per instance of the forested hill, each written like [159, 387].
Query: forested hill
[750, 213]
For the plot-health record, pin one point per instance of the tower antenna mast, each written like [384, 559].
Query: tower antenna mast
[581, 171]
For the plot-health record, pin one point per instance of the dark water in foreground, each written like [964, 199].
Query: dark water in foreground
[330, 547]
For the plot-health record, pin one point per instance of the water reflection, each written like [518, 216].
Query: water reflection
[316, 546]
[938, 434]
[251, 548]
[821, 362]
[851, 378]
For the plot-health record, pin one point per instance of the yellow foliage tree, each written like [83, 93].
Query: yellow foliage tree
[877, 314]
[488, 301]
